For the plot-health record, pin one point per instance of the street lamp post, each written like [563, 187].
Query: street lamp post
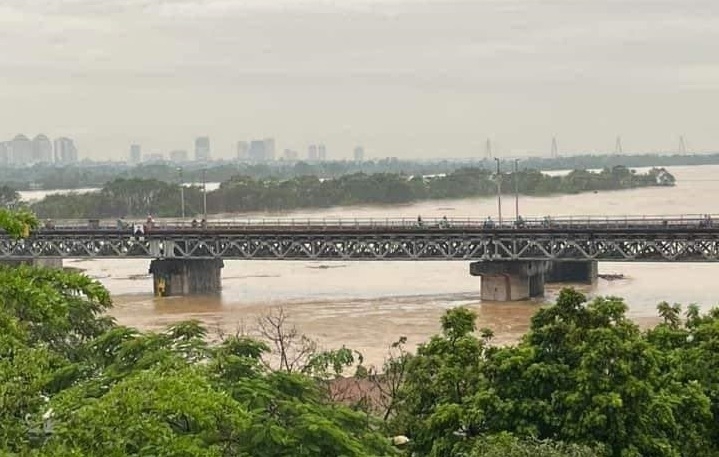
[516, 190]
[204, 193]
[182, 192]
[499, 192]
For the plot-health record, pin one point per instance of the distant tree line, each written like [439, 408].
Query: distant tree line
[95, 175]
[138, 197]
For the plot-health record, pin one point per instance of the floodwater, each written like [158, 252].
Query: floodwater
[368, 305]
[37, 195]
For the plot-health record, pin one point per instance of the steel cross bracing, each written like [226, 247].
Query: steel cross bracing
[499, 245]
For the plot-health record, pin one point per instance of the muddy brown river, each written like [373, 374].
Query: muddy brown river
[367, 305]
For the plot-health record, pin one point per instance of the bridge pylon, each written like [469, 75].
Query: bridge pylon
[178, 277]
[512, 280]
[516, 280]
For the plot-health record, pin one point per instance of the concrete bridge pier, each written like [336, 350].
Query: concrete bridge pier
[510, 280]
[173, 277]
[573, 271]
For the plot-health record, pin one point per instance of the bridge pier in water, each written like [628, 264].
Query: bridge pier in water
[578, 272]
[512, 280]
[173, 277]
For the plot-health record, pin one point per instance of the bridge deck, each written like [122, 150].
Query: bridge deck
[646, 239]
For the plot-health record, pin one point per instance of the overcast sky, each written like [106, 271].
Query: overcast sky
[405, 78]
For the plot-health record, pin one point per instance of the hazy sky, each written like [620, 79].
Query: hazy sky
[405, 78]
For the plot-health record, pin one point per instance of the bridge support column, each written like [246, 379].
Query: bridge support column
[510, 280]
[172, 277]
[42, 263]
[578, 272]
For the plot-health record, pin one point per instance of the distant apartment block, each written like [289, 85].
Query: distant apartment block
[243, 149]
[179, 156]
[322, 152]
[41, 150]
[21, 150]
[202, 149]
[65, 151]
[135, 154]
[312, 153]
[257, 151]
[269, 149]
[359, 154]
[290, 155]
[154, 157]
[5, 151]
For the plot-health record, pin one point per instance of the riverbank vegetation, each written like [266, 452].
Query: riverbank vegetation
[139, 197]
[95, 175]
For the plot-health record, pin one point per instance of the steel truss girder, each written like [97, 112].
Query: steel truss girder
[626, 248]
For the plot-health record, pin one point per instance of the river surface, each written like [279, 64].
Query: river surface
[368, 305]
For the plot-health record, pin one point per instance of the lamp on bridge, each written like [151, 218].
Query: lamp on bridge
[204, 193]
[499, 192]
[182, 191]
[516, 191]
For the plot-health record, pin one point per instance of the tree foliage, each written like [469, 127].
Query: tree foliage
[72, 382]
[584, 374]
[138, 197]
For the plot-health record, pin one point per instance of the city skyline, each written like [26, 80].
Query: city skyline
[405, 78]
[62, 150]
[22, 150]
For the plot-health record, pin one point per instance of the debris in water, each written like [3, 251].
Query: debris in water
[612, 277]
[325, 267]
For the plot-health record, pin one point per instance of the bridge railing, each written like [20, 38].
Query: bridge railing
[560, 222]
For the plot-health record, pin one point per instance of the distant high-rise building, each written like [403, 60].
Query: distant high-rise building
[243, 149]
[290, 155]
[257, 152]
[359, 154]
[312, 152]
[41, 149]
[322, 152]
[202, 149]
[21, 152]
[65, 150]
[269, 149]
[5, 151]
[154, 157]
[135, 154]
[178, 156]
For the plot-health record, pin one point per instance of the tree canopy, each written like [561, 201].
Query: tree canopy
[138, 197]
[584, 374]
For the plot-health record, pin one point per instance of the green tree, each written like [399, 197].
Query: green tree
[584, 374]
[9, 197]
[437, 405]
[507, 445]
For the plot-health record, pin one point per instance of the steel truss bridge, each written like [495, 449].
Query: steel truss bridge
[622, 239]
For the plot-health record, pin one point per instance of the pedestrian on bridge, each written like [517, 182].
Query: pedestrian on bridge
[444, 223]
